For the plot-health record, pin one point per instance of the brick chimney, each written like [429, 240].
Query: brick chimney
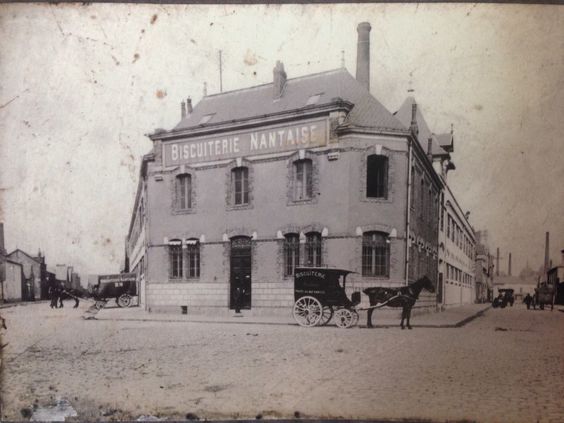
[2, 247]
[279, 79]
[183, 110]
[363, 54]
[189, 108]
[509, 266]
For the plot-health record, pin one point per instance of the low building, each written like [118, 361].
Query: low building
[35, 274]
[253, 182]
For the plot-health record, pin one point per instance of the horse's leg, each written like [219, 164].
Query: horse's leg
[408, 317]
[369, 318]
[402, 316]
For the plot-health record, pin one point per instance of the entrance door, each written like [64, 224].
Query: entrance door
[440, 289]
[240, 272]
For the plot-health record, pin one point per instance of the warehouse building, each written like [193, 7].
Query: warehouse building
[302, 171]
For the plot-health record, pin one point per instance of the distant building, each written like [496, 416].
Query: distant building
[35, 274]
[484, 270]
[555, 276]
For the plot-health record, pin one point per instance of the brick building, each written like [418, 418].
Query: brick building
[252, 182]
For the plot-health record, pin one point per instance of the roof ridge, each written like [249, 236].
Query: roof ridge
[270, 83]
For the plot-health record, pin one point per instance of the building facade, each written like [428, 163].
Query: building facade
[35, 274]
[251, 183]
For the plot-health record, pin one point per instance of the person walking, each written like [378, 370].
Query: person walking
[528, 300]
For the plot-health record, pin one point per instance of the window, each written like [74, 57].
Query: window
[375, 254]
[313, 249]
[303, 181]
[183, 192]
[240, 184]
[442, 214]
[192, 258]
[175, 256]
[377, 176]
[291, 253]
[205, 119]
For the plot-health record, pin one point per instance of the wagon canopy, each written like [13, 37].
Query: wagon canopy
[322, 283]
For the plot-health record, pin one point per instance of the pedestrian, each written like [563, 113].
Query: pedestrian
[239, 292]
[528, 300]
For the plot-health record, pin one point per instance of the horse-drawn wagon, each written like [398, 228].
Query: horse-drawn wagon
[319, 294]
[544, 295]
[122, 287]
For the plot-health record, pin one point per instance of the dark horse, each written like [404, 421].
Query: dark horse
[404, 297]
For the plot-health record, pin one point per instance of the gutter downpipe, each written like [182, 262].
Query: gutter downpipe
[408, 210]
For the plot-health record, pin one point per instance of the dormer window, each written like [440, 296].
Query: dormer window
[205, 119]
[313, 99]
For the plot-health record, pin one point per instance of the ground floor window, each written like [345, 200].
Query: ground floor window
[313, 249]
[193, 259]
[291, 253]
[375, 254]
[175, 259]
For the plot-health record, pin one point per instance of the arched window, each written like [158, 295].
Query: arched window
[375, 254]
[291, 253]
[377, 176]
[192, 258]
[184, 191]
[175, 258]
[240, 185]
[313, 249]
[303, 180]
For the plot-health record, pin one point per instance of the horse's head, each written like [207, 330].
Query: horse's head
[427, 284]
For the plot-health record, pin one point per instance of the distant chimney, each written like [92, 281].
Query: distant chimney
[2, 249]
[509, 265]
[546, 253]
[183, 109]
[363, 54]
[189, 105]
[205, 89]
[279, 79]
[497, 263]
[413, 126]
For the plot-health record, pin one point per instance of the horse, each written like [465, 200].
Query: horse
[404, 297]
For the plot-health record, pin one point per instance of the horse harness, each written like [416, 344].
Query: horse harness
[410, 295]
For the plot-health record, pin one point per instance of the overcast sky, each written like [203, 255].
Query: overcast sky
[81, 85]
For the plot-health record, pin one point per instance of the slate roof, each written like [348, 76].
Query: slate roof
[404, 116]
[258, 101]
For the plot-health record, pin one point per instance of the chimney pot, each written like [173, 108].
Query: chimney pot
[363, 54]
[279, 79]
[183, 109]
[189, 105]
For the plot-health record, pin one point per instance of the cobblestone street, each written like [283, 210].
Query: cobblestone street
[506, 365]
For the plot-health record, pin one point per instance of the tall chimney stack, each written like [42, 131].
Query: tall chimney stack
[546, 254]
[509, 266]
[497, 263]
[2, 249]
[183, 109]
[363, 54]
[189, 105]
[279, 79]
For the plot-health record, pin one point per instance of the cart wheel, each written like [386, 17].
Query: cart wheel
[326, 315]
[344, 318]
[124, 300]
[307, 311]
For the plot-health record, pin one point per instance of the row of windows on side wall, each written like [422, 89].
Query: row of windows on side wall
[185, 262]
[302, 182]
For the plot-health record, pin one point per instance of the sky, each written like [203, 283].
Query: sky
[81, 85]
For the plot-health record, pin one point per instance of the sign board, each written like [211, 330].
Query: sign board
[265, 140]
[120, 277]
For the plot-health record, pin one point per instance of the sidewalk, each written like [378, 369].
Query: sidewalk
[451, 318]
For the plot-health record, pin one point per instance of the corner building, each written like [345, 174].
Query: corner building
[253, 182]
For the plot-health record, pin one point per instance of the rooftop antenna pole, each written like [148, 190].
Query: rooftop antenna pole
[220, 74]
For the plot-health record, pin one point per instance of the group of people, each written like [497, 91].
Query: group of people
[57, 293]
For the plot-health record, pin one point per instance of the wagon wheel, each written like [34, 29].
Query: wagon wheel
[326, 315]
[124, 300]
[307, 311]
[344, 318]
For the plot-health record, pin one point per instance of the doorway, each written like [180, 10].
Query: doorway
[240, 272]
